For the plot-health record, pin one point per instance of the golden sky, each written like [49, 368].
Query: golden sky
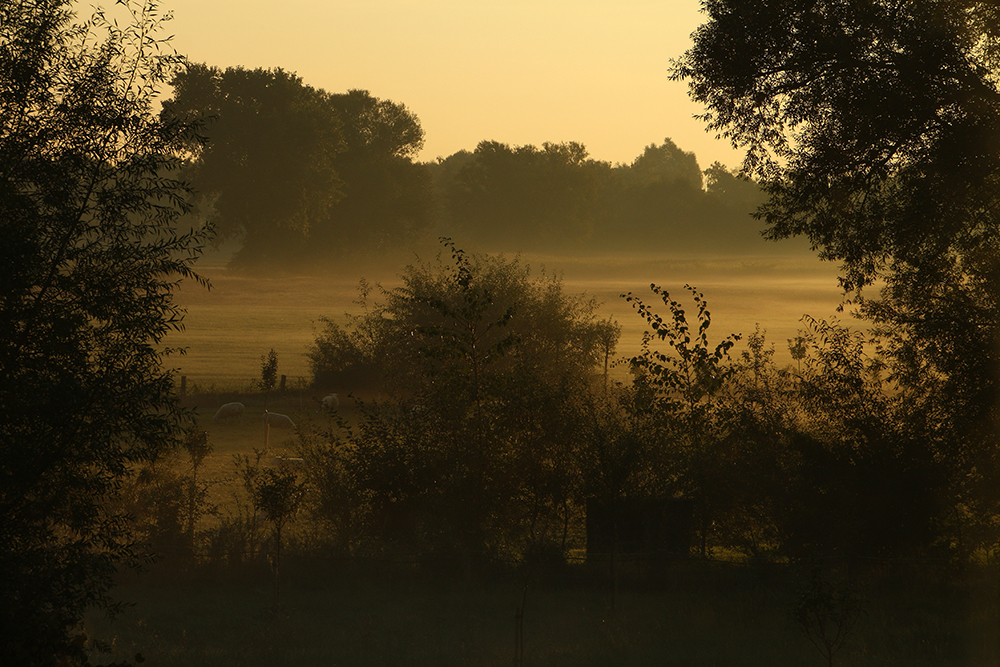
[519, 71]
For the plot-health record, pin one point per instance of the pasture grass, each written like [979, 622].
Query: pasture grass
[353, 613]
[242, 317]
[230, 437]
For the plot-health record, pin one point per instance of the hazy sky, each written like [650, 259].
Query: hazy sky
[519, 71]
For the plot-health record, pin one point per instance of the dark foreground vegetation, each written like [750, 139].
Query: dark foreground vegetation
[693, 613]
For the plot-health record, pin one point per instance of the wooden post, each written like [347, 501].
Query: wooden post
[281, 387]
[184, 384]
[519, 630]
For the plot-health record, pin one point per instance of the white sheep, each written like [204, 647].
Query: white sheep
[331, 403]
[229, 411]
[288, 462]
[274, 420]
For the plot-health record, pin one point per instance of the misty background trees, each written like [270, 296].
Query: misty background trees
[298, 177]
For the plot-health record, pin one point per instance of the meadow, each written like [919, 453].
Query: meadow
[335, 611]
[242, 316]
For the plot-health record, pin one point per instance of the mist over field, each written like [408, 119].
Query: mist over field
[246, 313]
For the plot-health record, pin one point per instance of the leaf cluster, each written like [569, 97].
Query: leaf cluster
[483, 369]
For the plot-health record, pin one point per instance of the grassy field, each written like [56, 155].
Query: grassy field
[242, 317]
[363, 613]
[230, 326]
[695, 614]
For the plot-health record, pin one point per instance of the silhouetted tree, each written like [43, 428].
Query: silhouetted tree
[656, 200]
[277, 495]
[484, 369]
[265, 167]
[91, 258]
[665, 163]
[526, 198]
[301, 174]
[684, 389]
[388, 198]
[268, 373]
[874, 131]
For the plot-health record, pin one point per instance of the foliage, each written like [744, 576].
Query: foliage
[336, 501]
[198, 447]
[873, 130]
[681, 391]
[556, 198]
[92, 256]
[352, 355]
[871, 126]
[485, 371]
[827, 612]
[276, 493]
[496, 429]
[388, 199]
[264, 167]
[524, 197]
[804, 463]
[268, 371]
[165, 505]
[300, 174]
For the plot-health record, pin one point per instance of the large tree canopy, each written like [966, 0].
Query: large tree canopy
[875, 130]
[300, 174]
[388, 201]
[91, 257]
[267, 161]
[526, 197]
[874, 125]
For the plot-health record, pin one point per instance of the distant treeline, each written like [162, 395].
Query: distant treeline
[295, 175]
[555, 198]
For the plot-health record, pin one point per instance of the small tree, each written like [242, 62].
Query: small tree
[684, 387]
[277, 494]
[198, 447]
[268, 373]
[827, 611]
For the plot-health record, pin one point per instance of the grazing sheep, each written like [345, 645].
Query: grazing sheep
[331, 403]
[229, 411]
[288, 462]
[274, 420]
